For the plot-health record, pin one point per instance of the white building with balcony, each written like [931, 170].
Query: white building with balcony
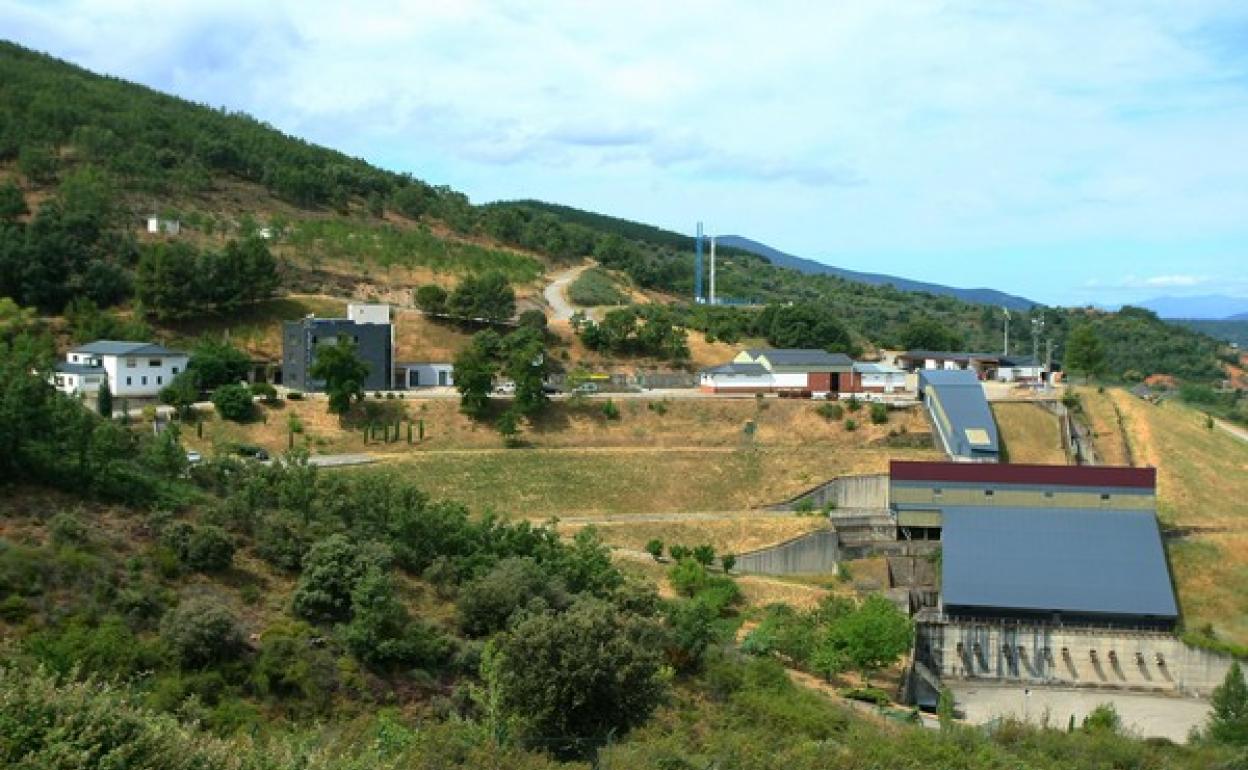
[132, 369]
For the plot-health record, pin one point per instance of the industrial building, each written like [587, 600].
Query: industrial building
[366, 325]
[788, 371]
[879, 377]
[954, 398]
[986, 366]
[424, 374]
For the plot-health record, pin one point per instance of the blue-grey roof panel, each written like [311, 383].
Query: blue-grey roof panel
[801, 357]
[121, 348]
[747, 370]
[1056, 559]
[66, 367]
[961, 399]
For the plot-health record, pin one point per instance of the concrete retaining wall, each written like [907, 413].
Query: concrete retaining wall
[869, 491]
[816, 552]
[1070, 657]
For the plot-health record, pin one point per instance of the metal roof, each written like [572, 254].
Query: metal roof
[801, 357]
[744, 370]
[1018, 361]
[1055, 560]
[949, 355]
[867, 367]
[961, 412]
[1050, 475]
[120, 348]
[66, 367]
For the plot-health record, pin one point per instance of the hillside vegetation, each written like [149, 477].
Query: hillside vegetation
[91, 155]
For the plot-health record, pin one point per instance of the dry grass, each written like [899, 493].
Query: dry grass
[256, 329]
[1031, 433]
[1099, 411]
[736, 535]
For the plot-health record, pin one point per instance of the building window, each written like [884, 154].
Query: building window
[313, 339]
[128, 382]
[144, 379]
[175, 370]
[988, 493]
[1049, 495]
[131, 363]
[60, 382]
[937, 492]
[154, 363]
[1104, 496]
[160, 380]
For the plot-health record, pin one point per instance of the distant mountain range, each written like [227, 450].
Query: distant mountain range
[811, 267]
[1210, 307]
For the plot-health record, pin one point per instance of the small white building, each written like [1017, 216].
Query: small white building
[132, 369]
[879, 377]
[1019, 369]
[158, 226]
[424, 375]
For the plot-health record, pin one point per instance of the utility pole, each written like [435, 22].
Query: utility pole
[712, 294]
[697, 266]
[1006, 310]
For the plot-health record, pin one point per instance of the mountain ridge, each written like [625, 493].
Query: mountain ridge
[1205, 307]
[978, 295]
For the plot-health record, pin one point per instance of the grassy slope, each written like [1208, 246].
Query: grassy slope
[1202, 483]
[1031, 433]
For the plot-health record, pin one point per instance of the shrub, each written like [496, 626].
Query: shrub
[201, 632]
[688, 577]
[209, 549]
[233, 402]
[488, 603]
[853, 404]
[866, 695]
[830, 411]
[264, 390]
[879, 414]
[704, 555]
[677, 551]
[382, 635]
[851, 425]
[331, 569]
[658, 407]
[431, 298]
[610, 410]
[728, 561]
[655, 548]
[294, 395]
[280, 541]
[67, 528]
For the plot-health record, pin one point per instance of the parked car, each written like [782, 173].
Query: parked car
[193, 457]
[253, 451]
[585, 388]
[551, 390]
[505, 388]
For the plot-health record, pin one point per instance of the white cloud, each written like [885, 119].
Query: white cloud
[956, 142]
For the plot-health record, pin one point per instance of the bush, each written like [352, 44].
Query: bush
[610, 410]
[209, 549]
[382, 635]
[728, 561]
[830, 411]
[853, 404]
[431, 298]
[200, 633]
[704, 555]
[655, 548]
[688, 577]
[280, 541]
[866, 695]
[879, 414]
[233, 402]
[851, 425]
[264, 390]
[294, 395]
[66, 528]
[488, 603]
[677, 551]
[331, 569]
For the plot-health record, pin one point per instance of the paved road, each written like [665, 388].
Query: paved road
[556, 292]
[339, 461]
[657, 517]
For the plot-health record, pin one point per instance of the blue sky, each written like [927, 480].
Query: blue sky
[1068, 151]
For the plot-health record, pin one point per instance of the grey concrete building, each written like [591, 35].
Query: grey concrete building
[373, 339]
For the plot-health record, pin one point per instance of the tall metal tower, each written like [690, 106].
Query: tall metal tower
[697, 267]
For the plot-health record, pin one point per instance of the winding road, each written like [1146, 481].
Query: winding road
[556, 293]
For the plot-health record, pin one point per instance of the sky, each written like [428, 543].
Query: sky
[1071, 152]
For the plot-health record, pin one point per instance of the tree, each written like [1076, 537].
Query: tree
[533, 319]
[343, 372]
[12, 202]
[687, 576]
[181, 393]
[527, 363]
[945, 709]
[691, 628]
[475, 369]
[431, 298]
[209, 549]
[871, 637]
[704, 555]
[655, 548]
[104, 400]
[331, 569]
[200, 633]
[489, 602]
[929, 334]
[1084, 351]
[728, 561]
[1228, 722]
[167, 280]
[217, 362]
[488, 296]
[569, 682]
[809, 326]
[233, 402]
[382, 635]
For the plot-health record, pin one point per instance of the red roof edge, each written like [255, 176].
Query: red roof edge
[1005, 473]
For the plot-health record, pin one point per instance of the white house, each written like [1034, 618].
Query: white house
[132, 369]
[424, 375]
[1019, 369]
[158, 226]
[880, 378]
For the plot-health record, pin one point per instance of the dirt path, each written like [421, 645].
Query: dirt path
[642, 518]
[1234, 430]
[556, 292]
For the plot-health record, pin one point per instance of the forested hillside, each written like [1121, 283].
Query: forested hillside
[85, 158]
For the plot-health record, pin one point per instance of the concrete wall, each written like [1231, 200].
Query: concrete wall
[1070, 657]
[869, 491]
[816, 552]
[953, 494]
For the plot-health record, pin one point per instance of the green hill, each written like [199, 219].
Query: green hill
[84, 159]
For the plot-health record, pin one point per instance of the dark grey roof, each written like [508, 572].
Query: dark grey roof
[119, 348]
[745, 370]
[959, 396]
[950, 355]
[1055, 559]
[1019, 361]
[66, 367]
[801, 357]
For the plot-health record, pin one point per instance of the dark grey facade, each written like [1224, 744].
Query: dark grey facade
[300, 340]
